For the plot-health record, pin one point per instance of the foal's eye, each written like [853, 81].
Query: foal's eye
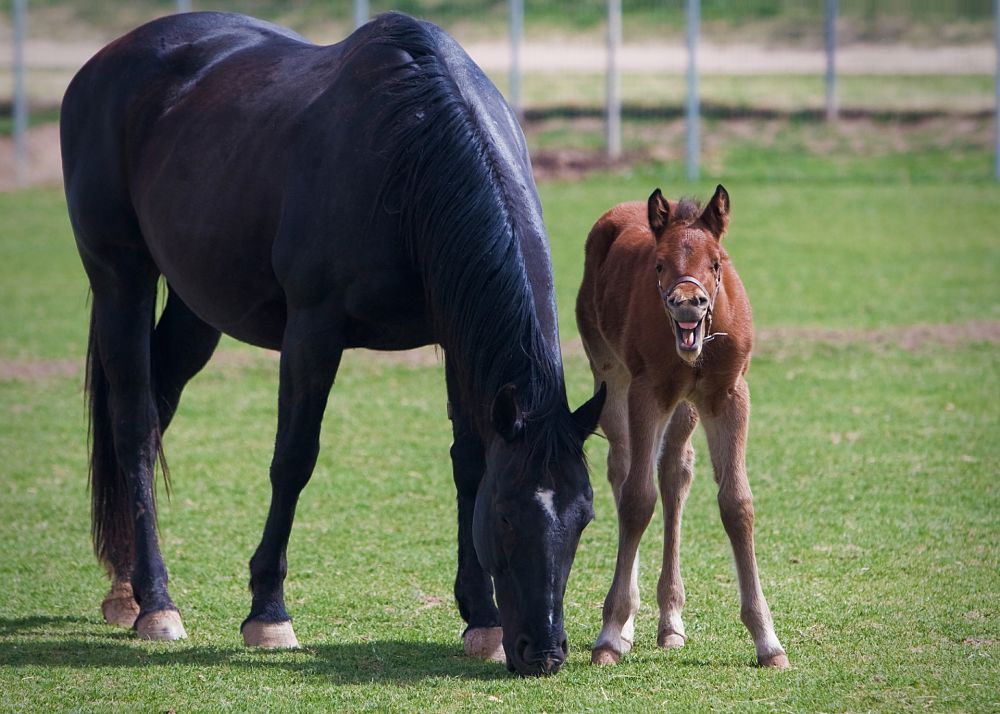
[659, 268]
[716, 266]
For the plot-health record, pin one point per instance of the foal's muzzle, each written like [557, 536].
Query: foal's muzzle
[689, 308]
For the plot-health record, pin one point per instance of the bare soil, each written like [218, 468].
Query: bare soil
[772, 341]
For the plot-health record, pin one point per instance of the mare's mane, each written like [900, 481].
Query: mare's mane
[460, 226]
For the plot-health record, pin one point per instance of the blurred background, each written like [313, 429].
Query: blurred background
[912, 95]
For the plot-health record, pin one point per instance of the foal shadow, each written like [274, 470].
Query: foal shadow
[78, 643]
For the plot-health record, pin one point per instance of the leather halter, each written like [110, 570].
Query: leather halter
[665, 295]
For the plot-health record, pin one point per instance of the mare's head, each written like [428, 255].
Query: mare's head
[533, 503]
[689, 260]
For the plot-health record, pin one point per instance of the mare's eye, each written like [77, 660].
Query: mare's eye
[659, 268]
[715, 266]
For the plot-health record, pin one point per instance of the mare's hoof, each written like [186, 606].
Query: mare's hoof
[485, 643]
[775, 661]
[604, 655]
[119, 606]
[270, 635]
[161, 625]
[670, 640]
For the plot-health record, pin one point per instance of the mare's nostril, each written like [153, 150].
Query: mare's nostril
[564, 645]
[521, 647]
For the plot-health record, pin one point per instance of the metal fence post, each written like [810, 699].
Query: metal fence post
[692, 104]
[516, 35]
[361, 13]
[830, 37]
[614, 108]
[20, 22]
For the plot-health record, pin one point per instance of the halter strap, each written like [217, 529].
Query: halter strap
[664, 294]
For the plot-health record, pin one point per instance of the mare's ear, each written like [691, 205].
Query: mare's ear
[659, 212]
[506, 414]
[587, 416]
[716, 213]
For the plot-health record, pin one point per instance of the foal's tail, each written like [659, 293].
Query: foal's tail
[111, 519]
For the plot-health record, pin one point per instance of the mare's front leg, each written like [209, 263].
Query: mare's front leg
[634, 428]
[310, 356]
[676, 474]
[483, 637]
[725, 422]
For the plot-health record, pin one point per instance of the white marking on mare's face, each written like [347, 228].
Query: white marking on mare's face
[544, 497]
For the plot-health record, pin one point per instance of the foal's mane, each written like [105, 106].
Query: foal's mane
[460, 225]
[686, 209]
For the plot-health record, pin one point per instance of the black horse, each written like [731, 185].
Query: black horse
[374, 193]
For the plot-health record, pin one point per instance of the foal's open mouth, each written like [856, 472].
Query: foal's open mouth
[690, 336]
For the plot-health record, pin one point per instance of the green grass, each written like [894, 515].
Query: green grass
[873, 465]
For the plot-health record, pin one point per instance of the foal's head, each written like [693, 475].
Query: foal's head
[689, 259]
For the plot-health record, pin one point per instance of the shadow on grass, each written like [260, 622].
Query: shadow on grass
[41, 641]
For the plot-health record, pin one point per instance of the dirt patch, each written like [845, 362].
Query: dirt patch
[768, 340]
[37, 370]
[907, 337]
[44, 161]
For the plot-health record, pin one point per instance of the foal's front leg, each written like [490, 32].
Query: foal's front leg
[726, 428]
[310, 357]
[676, 474]
[635, 499]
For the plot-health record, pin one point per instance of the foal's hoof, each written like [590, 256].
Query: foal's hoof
[775, 661]
[161, 625]
[119, 606]
[604, 655]
[485, 643]
[270, 635]
[670, 640]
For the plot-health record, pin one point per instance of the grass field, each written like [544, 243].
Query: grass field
[873, 455]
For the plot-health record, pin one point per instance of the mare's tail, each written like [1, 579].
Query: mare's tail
[111, 519]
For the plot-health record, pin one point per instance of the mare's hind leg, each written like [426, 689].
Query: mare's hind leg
[725, 422]
[633, 423]
[676, 473]
[483, 637]
[182, 344]
[124, 301]
[310, 355]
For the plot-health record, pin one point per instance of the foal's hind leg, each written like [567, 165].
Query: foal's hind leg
[676, 473]
[634, 428]
[182, 345]
[483, 637]
[310, 356]
[725, 423]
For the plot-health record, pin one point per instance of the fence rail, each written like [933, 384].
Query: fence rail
[702, 40]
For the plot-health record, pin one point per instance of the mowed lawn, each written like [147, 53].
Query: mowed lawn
[873, 456]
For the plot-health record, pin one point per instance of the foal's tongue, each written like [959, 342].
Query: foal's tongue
[688, 325]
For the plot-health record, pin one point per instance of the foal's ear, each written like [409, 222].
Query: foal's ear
[716, 213]
[659, 212]
[506, 414]
[589, 413]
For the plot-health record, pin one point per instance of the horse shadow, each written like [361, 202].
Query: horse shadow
[70, 642]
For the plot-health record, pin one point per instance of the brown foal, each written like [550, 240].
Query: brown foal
[666, 324]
